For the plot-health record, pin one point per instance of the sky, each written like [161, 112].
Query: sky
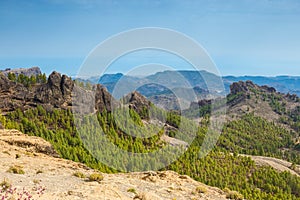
[244, 37]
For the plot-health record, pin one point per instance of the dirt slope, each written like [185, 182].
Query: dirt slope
[49, 177]
[278, 164]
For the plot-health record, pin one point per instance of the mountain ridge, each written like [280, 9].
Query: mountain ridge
[283, 83]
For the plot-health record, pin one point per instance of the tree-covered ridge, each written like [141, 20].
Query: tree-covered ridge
[219, 169]
[256, 136]
[238, 173]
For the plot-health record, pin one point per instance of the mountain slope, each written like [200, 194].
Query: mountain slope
[260, 121]
[48, 177]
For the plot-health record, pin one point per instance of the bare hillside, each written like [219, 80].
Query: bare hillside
[278, 164]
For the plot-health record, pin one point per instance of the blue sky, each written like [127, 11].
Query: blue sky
[242, 37]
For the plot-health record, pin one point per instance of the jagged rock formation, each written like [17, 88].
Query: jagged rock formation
[47, 177]
[248, 86]
[56, 93]
[103, 99]
[247, 97]
[139, 103]
[13, 95]
[264, 101]
[33, 71]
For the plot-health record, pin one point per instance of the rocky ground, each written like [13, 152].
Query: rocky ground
[48, 177]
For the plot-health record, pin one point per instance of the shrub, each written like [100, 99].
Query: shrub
[233, 194]
[16, 169]
[132, 190]
[36, 181]
[79, 175]
[293, 166]
[201, 189]
[96, 177]
[5, 185]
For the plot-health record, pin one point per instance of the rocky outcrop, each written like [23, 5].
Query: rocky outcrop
[30, 143]
[33, 71]
[241, 91]
[103, 99]
[248, 86]
[139, 103]
[60, 91]
[56, 92]
[241, 87]
[201, 103]
[13, 95]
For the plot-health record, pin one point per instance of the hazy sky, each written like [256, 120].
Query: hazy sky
[242, 36]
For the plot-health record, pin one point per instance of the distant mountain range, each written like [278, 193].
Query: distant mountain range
[163, 83]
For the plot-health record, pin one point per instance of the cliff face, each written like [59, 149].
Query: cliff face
[56, 93]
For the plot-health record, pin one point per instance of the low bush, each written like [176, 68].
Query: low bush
[96, 177]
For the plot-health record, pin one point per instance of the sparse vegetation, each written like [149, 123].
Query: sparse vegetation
[6, 152]
[132, 190]
[36, 181]
[201, 189]
[5, 185]
[96, 177]
[79, 174]
[16, 169]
